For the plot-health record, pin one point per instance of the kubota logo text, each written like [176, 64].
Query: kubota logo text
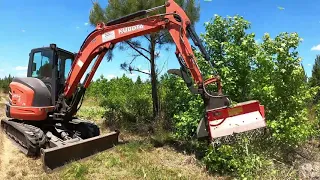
[131, 28]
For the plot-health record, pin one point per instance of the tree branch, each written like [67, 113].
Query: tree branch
[147, 38]
[134, 58]
[133, 47]
[162, 67]
[138, 70]
[129, 68]
[160, 38]
[143, 49]
[138, 45]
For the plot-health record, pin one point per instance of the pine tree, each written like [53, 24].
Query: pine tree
[315, 78]
[119, 8]
[138, 81]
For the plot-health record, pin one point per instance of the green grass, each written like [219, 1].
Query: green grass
[91, 112]
[135, 160]
[76, 171]
[143, 157]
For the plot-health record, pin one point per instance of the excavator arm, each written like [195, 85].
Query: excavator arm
[104, 37]
[220, 119]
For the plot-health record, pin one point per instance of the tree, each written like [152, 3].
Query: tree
[305, 74]
[233, 50]
[119, 8]
[270, 72]
[315, 78]
[5, 82]
[138, 81]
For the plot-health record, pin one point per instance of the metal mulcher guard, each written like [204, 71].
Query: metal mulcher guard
[243, 117]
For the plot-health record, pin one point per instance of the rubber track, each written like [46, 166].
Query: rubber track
[28, 138]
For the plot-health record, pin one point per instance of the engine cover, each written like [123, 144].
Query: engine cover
[30, 99]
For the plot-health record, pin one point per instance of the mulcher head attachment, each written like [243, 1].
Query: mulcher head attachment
[222, 123]
[242, 117]
[221, 120]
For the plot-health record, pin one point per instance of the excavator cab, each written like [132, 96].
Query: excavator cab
[51, 65]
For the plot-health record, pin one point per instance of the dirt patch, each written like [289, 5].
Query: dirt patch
[310, 170]
[10, 162]
[14, 164]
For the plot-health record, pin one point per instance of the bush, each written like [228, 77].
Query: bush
[182, 109]
[5, 82]
[239, 160]
[127, 104]
[269, 71]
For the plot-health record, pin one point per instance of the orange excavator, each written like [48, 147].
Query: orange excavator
[41, 111]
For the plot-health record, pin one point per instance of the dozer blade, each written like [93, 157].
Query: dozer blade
[56, 157]
[243, 117]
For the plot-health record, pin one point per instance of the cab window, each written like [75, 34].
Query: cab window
[68, 64]
[41, 66]
[66, 59]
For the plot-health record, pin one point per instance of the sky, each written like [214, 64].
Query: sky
[33, 24]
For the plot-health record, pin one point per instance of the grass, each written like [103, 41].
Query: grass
[148, 157]
[91, 112]
[90, 109]
[137, 159]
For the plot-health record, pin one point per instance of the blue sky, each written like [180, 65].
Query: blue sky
[31, 24]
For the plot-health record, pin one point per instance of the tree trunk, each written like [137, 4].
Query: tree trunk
[154, 77]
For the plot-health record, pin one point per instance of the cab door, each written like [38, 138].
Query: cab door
[65, 60]
[40, 66]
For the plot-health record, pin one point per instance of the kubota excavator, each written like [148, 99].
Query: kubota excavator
[42, 107]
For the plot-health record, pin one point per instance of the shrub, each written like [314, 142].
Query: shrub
[269, 71]
[128, 104]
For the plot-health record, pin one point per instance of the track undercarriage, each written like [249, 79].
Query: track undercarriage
[57, 143]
